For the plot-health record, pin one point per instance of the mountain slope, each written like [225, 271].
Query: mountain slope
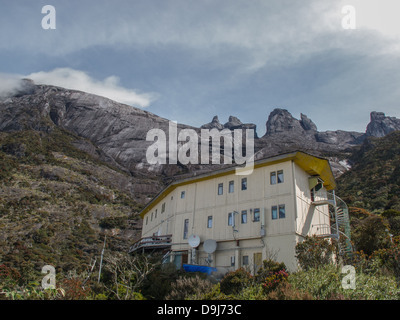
[373, 183]
[57, 203]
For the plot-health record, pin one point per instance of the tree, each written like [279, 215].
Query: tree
[314, 252]
[128, 272]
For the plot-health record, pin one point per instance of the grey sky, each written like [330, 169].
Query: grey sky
[190, 60]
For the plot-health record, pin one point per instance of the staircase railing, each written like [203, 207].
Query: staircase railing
[340, 229]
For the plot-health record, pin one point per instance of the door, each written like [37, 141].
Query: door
[257, 261]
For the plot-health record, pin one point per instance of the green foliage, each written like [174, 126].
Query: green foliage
[185, 287]
[373, 183]
[214, 294]
[326, 283]
[114, 222]
[55, 198]
[158, 283]
[314, 252]
[286, 291]
[269, 266]
[369, 232]
[274, 279]
[235, 281]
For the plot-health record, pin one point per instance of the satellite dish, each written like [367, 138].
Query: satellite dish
[210, 245]
[194, 241]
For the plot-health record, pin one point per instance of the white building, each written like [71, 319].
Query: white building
[251, 218]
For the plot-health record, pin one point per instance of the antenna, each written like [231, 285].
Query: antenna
[194, 242]
[210, 246]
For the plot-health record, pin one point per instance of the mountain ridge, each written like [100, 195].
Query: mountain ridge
[118, 131]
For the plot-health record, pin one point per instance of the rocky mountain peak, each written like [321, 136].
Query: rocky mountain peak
[213, 124]
[233, 123]
[281, 120]
[307, 123]
[381, 125]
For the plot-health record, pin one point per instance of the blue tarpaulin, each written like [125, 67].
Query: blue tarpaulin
[195, 268]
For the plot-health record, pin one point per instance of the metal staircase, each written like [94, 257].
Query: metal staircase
[339, 229]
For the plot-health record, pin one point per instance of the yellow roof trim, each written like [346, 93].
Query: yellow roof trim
[311, 164]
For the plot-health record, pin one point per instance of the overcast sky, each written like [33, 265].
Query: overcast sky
[188, 60]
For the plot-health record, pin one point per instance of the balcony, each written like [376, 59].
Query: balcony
[321, 198]
[152, 243]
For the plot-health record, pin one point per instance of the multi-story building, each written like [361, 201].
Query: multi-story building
[250, 218]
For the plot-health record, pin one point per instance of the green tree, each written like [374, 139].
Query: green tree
[314, 252]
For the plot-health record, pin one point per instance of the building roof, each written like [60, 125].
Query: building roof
[311, 164]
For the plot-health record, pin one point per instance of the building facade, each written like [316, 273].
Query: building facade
[250, 217]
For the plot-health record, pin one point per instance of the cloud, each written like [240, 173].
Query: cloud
[10, 84]
[79, 80]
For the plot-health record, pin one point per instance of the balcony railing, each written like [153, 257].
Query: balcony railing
[153, 242]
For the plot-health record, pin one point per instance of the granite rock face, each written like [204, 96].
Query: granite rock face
[116, 133]
[286, 133]
[281, 121]
[214, 124]
[381, 125]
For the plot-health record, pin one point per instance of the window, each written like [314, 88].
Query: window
[163, 208]
[232, 261]
[244, 184]
[152, 216]
[256, 215]
[220, 188]
[147, 219]
[230, 219]
[280, 176]
[231, 186]
[245, 260]
[276, 177]
[274, 212]
[244, 216]
[182, 194]
[278, 209]
[155, 214]
[209, 222]
[186, 229]
[273, 178]
[281, 211]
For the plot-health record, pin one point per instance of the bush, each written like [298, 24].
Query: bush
[326, 283]
[285, 291]
[274, 279]
[314, 252]
[271, 274]
[185, 286]
[235, 281]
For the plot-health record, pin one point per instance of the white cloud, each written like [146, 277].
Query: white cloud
[9, 84]
[79, 80]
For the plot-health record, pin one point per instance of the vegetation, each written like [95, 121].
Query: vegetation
[57, 204]
[373, 183]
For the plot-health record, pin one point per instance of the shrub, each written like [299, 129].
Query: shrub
[326, 283]
[285, 291]
[213, 294]
[235, 281]
[274, 279]
[186, 286]
[314, 252]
